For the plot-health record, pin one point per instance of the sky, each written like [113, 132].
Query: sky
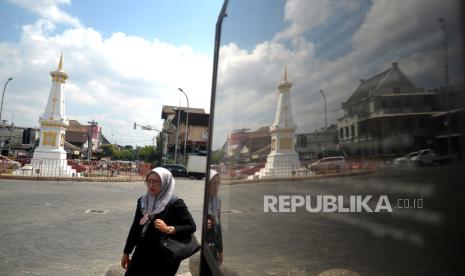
[124, 59]
[326, 45]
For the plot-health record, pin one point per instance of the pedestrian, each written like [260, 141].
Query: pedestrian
[151, 222]
[214, 236]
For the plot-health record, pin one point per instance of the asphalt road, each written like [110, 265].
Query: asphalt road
[46, 228]
[414, 241]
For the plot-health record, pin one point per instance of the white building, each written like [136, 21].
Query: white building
[387, 115]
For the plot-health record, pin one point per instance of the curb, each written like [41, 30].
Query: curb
[75, 179]
[317, 177]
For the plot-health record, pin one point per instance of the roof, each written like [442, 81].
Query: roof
[105, 141]
[76, 136]
[195, 119]
[392, 77]
[76, 126]
[70, 147]
[169, 109]
[256, 144]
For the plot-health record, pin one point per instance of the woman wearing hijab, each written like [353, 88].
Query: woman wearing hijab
[214, 237]
[151, 222]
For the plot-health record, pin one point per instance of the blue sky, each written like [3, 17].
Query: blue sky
[125, 59]
[326, 45]
[179, 22]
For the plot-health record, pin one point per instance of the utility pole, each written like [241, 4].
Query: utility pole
[177, 136]
[443, 24]
[1, 111]
[326, 125]
[187, 124]
[11, 134]
[89, 138]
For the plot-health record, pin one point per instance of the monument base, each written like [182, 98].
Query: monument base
[279, 165]
[52, 168]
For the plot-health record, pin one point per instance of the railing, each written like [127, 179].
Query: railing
[279, 170]
[53, 168]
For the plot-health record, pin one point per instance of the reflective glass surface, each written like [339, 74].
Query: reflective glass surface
[338, 138]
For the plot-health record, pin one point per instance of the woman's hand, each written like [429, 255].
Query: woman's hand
[220, 258]
[161, 225]
[125, 260]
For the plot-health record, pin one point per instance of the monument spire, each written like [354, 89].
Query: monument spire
[50, 156]
[60, 65]
[285, 73]
[283, 160]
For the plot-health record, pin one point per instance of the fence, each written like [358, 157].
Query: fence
[103, 169]
[289, 170]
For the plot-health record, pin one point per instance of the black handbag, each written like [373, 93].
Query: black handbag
[174, 250]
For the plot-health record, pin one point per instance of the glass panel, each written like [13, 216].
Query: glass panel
[336, 73]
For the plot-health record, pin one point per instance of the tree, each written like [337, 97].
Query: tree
[148, 154]
[217, 156]
[109, 150]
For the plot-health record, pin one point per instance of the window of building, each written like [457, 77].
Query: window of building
[396, 103]
[301, 141]
[352, 130]
[408, 102]
[347, 131]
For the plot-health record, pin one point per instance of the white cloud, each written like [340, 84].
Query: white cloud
[304, 15]
[115, 81]
[402, 31]
[49, 9]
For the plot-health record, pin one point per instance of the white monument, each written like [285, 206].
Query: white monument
[50, 156]
[283, 160]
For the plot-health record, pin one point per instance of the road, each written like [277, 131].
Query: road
[414, 241]
[46, 227]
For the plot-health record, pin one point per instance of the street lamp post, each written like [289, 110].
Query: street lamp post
[177, 137]
[1, 110]
[187, 124]
[326, 125]
[161, 132]
[442, 22]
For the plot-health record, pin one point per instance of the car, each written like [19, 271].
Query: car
[406, 159]
[430, 157]
[176, 170]
[334, 163]
[7, 163]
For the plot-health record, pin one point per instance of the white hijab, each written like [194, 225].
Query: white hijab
[214, 203]
[153, 205]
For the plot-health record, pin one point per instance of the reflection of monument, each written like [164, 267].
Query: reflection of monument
[283, 160]
[50, 157]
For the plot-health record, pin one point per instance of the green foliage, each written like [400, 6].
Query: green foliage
[216, 156]
[148, 154]
[125, 154]
[109, 150]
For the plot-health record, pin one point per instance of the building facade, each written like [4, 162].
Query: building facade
[387, 115]
[174, 126]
